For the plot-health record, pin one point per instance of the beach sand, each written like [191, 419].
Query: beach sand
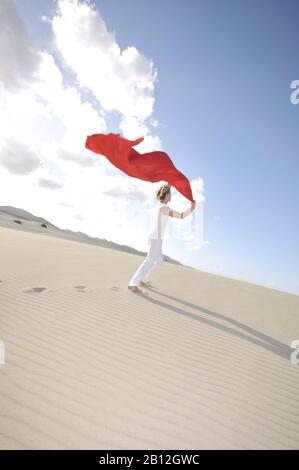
[198, 361]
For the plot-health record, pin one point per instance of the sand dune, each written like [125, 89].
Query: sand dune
[198, 361]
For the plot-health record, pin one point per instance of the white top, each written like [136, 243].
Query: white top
[160, 222]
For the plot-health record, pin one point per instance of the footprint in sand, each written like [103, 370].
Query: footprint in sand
[117, 288]
[36, 290]
[81, 288]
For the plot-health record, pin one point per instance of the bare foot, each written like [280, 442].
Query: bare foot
[144, 284]
[135, 289]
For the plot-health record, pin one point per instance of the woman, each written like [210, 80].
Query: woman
[154, 256]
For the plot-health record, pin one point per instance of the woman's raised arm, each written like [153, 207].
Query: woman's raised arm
[176, 214]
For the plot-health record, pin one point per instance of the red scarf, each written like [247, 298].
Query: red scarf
[151, 166]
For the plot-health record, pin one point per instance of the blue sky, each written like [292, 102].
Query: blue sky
[222, 101]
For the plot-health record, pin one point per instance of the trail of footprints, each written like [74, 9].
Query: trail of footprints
[40, 290]
[81, 289]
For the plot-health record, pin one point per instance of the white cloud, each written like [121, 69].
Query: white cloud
[65, 204]
[78, 216]
[121, 80]
[45, 119]
[130, 193]
[19, 61]
[49, 183]
[74, 157]
[131, 127]
[18, 158]
[65, 103]
[197, 185]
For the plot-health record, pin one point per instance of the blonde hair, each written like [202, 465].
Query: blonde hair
[162, 191]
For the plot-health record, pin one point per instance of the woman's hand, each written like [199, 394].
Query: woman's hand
[193, 205]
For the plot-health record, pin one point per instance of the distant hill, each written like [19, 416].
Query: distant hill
[22, 214]
[29, 222]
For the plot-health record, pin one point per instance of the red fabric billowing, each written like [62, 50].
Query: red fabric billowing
[151, 166]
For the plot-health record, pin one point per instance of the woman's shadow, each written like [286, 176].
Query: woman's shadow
[258, 338]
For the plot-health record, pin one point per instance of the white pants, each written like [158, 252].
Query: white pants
[153, 259]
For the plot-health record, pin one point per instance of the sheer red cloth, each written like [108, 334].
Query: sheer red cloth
[151, 166]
